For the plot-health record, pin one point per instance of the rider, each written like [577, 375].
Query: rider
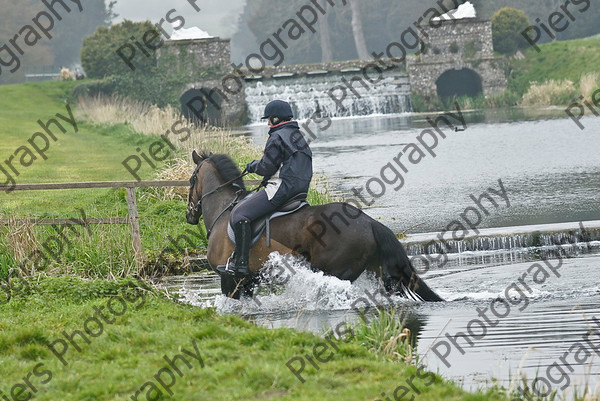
[286, 166]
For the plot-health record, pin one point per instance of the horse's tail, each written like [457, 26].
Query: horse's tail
[399, 274]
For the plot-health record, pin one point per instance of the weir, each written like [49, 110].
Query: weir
[505, 245]
[310, 93]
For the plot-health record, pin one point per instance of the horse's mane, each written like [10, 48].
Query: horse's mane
[226, 168]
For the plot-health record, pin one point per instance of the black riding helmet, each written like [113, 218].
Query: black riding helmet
[278, 111]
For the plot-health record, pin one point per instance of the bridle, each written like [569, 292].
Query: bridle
[195, 208]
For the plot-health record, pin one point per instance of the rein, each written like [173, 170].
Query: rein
[198, 205]
[233, 203]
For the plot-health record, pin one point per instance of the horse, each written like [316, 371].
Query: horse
[348, 242]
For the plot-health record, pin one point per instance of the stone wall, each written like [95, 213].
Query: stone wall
[456, 45]
[230, 109]
[333, 67]
[191, 55]
[213, 54]
[461, 39]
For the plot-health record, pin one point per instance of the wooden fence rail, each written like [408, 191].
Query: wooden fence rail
[132, 219]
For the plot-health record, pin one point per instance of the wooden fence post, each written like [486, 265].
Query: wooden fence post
[134, 220]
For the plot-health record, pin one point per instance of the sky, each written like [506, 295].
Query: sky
[217, 17]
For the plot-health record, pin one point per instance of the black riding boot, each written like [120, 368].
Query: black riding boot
[238, 263]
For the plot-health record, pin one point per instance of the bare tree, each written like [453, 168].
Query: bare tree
[357, 29]
[325, 35]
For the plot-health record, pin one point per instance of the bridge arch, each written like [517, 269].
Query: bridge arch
[455, 83]
[201, 106]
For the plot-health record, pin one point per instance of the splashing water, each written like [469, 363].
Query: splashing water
[288, 284]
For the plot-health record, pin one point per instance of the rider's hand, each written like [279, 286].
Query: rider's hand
[251, 166]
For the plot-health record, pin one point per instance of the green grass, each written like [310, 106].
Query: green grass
[94, 153]
[557, 60]
[241, 360]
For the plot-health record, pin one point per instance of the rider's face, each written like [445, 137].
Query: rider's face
[270, 122]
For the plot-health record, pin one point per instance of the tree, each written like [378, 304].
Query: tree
[110, 14]
[307, 49]
[586, 23]
[14, 17]
[357, 30]
[507, 25]
[99, 55]
[71, 31]
[325, 35]
[64, 48]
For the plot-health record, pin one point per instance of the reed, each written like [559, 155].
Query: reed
[588, 84]
[550, 93]
[22, 240]
[144, 118]
[385, 334]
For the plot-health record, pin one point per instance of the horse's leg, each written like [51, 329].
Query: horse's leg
[220, 246]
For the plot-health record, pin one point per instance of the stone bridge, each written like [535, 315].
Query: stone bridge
[317, 69]
[458, 60]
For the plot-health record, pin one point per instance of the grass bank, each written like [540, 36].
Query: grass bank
[240, 361]
[558, 61]
[93, 153]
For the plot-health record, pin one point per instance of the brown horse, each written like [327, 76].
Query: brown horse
[336, 238]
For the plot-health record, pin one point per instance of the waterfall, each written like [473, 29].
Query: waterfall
[521, 240]
[308, 94]
[500, 246]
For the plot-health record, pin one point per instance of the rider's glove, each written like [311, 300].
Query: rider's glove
[251, 166]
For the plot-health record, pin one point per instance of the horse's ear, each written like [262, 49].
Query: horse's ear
[196, 157]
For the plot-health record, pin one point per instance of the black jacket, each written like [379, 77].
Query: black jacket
[287, 149]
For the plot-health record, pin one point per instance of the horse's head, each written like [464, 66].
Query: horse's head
[194, 198]
[225, 177]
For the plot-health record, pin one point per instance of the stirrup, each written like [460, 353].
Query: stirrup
[225, 270]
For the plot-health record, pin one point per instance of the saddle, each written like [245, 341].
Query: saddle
[259, 226]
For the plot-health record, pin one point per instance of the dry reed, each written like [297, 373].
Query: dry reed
[550, 93]
[588, 84]
[144, 118]
[23, 242]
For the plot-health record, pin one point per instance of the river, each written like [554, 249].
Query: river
[551, 172]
